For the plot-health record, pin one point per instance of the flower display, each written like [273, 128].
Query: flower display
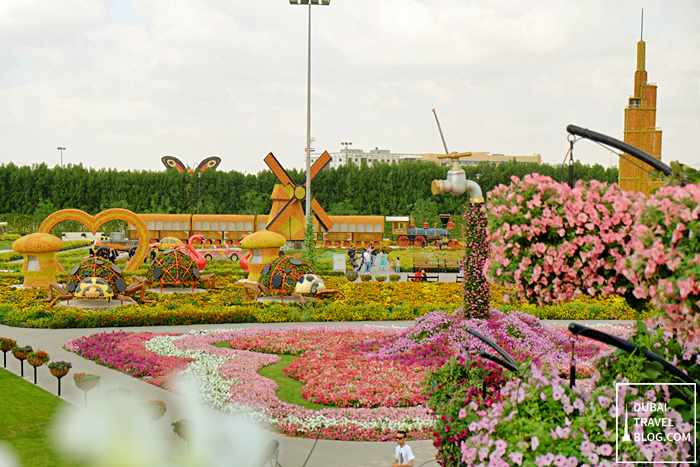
[396, 359]
[60, 365]
[477, 293]
[664, 263]
[328, 358]
[7, 344]
[39, 356]
[539, 420]
[82, 377]
[125, 352]
[553, 242]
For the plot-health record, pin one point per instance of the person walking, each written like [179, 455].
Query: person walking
[367, 259]
[374, 256]
[398, 264]
[391, 266]
[403, 455]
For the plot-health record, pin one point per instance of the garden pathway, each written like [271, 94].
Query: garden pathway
[293, 451]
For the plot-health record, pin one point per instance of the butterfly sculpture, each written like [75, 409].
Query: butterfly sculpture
[171, 162]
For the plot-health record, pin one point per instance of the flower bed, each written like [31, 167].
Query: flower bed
[368, 301]
[381, 368]
[125, 352]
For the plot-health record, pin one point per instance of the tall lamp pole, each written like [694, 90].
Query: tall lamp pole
[308, 103]
[61, 149]
[346, 151]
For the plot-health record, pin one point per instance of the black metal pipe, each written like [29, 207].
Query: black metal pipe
[622, 146]
[628, 346]
[495, 347]
[499, 361]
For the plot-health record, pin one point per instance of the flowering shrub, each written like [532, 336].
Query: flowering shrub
[451, 388]
[477, 293]
[664, 262]
[554, 242]
[540, 420]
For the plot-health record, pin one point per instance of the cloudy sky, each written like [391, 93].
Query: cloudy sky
[121, 83]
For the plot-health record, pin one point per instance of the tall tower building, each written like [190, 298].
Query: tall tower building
[640, 130]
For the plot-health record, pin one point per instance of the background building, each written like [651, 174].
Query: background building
[640, 130]
[478, 157]
[358, 157]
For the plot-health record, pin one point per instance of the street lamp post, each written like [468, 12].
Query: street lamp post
[61, 149]
[346, 151]
[308, 103]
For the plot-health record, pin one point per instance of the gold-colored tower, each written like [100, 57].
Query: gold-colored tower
[640, 131]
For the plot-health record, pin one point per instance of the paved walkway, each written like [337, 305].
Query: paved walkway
[293, 451]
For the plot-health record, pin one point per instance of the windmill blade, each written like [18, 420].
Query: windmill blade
[321, 215]
[278, 170]
[281, 216]
[320, 164]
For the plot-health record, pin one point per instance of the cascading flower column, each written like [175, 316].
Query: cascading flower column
[476, 291]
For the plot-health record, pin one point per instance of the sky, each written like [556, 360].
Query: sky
[121, 83]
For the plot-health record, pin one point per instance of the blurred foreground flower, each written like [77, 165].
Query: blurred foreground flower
[118, 433]
[7, 456]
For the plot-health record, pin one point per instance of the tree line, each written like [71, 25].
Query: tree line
[382, 189]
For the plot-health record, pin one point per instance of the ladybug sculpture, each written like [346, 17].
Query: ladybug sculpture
[289, 276]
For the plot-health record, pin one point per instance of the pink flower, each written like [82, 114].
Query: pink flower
[516, 457]
[535, 442]
[604, 450]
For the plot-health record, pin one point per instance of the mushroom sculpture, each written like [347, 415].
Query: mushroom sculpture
[40, 264]
[263, 248]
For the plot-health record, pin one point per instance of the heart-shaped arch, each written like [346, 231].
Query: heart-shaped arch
[94, 223]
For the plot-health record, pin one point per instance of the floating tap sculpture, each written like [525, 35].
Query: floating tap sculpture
[456, 182]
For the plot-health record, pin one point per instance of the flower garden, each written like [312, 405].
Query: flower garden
[549, 251]
[372, 378]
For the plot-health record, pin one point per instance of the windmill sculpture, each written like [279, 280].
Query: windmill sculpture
[287, 216]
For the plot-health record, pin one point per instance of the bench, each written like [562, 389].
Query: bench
[451, 265]
[427, 278]
[421, 262]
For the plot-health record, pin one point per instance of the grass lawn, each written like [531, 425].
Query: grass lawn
[25, 415]
[289, 389]
[5, 245]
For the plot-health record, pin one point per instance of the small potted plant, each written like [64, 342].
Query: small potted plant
[394, 278]
[6, 344]
[156, 409]
[380, 278]
[59, 370]
[21, 353]
[36, 359]
[366, 277]
[180, 428]
[351, 276]
[86, 382]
